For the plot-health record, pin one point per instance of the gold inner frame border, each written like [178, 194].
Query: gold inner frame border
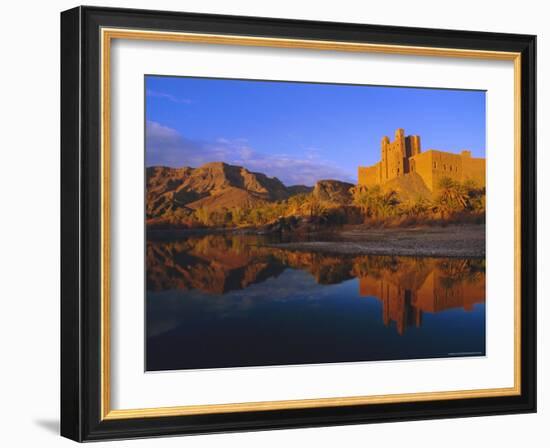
[107, 35]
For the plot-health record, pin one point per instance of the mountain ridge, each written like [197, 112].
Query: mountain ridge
[214, 185]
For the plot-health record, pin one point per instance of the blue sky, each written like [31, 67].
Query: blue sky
[300, 132]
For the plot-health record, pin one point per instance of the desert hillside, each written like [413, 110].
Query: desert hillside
[334, 191]
[213, 186]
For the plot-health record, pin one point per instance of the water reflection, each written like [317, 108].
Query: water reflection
[209, 281]
[406, 286]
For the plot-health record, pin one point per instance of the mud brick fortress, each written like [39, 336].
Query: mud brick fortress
[404, 156]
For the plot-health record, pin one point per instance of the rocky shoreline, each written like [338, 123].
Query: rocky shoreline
[457, 241]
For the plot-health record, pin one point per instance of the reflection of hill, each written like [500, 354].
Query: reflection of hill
[221, 263]
[325, 268]
[406, 286]
[211, 264]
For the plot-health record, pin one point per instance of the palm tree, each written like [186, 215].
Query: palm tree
[452, 197]
[373, 202]
[418, 207]
[386, 204]
[313, 206]
[361, 198]
[296, 203]
[476, 196]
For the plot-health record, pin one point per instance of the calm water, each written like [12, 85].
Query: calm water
[227, 301]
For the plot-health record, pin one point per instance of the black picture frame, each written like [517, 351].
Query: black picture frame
[81, 224]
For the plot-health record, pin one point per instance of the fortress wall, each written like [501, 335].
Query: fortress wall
[369, 175]
[473, 169]
[445, 164]
[434, 165]
[422, 165]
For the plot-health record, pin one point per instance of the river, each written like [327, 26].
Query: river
[223, 300]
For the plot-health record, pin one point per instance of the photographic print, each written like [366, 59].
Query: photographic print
[297, 223]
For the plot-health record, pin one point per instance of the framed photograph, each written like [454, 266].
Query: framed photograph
[275, 223]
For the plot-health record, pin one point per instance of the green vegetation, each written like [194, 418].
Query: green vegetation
[455, 197]
[375, 203]
[305, 205]
[454, 202]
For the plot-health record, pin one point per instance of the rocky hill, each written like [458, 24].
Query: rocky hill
[333, 191]
[213, 186]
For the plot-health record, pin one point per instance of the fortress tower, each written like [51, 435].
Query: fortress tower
[404, 156]
[395, 155]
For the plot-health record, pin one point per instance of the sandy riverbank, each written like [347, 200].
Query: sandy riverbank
[450, 241]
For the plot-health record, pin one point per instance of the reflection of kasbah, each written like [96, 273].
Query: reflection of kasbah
[430, 287]
[404, 157]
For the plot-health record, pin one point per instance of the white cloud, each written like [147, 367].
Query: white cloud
[168, 96]
[166, 146]
[160, 132]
